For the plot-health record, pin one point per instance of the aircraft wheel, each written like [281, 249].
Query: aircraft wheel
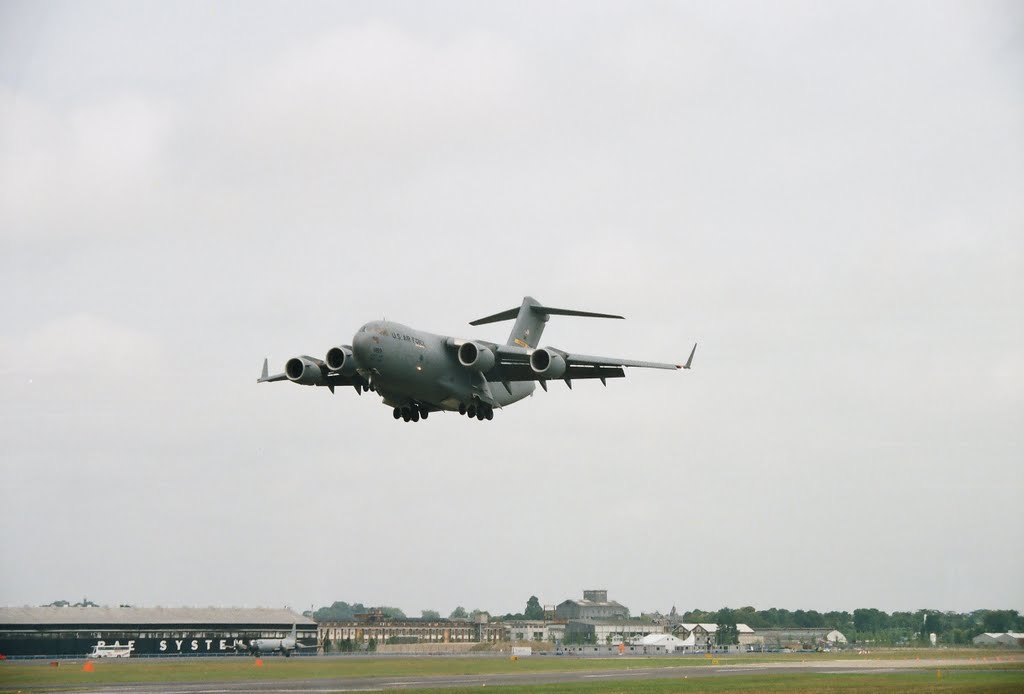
[415, 416]
[397, 413]
[480, 414]
[462, 408]
[424, 413]
[489, 414]
[471, 411]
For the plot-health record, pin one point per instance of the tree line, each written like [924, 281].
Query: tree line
[341, 611]
[870, 624]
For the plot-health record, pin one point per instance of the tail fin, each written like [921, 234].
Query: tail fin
[530, 320]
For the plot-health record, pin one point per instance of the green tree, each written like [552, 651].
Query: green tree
[998, 621]
[869, 620]
[727, 635]
[372, 645]
[339, 612]
[432, 615]
[458, 613]
[533, 609]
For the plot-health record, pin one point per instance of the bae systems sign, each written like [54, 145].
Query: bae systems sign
[199, 645]
[183, 645]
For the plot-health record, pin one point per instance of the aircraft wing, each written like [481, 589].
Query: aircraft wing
[330, 379]
[514, 365]
[265, 377]
[523, 372]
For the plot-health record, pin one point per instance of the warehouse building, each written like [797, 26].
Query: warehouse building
[73, 631]
[1008, 639]
[597, 631]
[705, 635]
[798, 638]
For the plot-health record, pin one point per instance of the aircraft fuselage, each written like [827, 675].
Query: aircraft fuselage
[405, 364]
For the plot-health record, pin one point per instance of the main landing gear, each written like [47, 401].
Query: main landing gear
[478, 409]
[410, 413]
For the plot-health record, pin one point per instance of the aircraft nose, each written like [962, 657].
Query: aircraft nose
[361, 347]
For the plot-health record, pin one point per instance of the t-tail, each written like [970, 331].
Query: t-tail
[530, 320]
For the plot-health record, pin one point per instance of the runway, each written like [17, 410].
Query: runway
[378, 684]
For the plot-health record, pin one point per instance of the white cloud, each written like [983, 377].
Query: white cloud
[84, 173]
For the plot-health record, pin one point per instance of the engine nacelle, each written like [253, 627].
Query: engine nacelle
[306, 371]
[476, 357]
[340, 359]
[547, 364]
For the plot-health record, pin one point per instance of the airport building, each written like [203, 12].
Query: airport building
[535, 630]
[385, 630]
[169, 631]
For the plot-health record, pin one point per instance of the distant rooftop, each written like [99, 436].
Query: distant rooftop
[149, 615]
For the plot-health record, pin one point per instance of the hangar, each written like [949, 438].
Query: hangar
[73, 631]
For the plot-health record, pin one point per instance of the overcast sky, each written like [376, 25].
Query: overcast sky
[827, 196]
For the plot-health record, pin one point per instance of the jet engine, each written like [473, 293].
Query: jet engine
[340, 359]
[476, 357]
[547, 363]
[306, 371]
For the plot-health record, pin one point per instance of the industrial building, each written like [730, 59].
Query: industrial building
[73, 631]
[594, 605]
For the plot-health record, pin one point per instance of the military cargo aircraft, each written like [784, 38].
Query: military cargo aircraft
[417, 373]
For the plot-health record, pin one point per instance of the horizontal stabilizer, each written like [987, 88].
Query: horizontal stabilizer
[570, 312]
[497, 317]
[540, 311]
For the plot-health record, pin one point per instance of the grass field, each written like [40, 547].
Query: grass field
[959, 681]
[69, 673]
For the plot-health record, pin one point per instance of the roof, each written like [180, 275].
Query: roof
[149, 615]
[615, 622]
[663, 639]
[592, 603]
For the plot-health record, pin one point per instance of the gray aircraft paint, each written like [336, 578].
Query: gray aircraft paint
[285, 646]
[417, 372]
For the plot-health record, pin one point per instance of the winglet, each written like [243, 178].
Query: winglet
[690, 360]
[265, 374]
